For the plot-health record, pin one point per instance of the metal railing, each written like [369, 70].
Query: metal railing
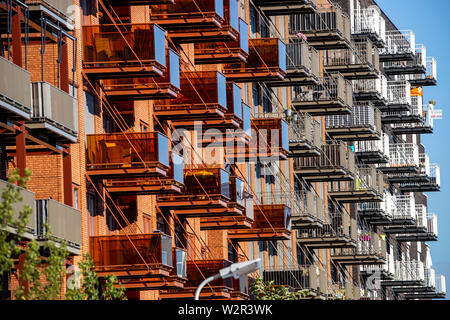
[303, 127]
[400, 41]
[404, 155]
[440, 284]
[369, 20]
[378, 85]
[409, 271]
[381, 145]
[404, 207]
[363, 115]
[399, 92]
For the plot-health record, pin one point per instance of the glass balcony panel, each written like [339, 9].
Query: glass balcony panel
[243, 35]
[282, 55]
[212, 181]
[232, 11]
[189, 8]
[174, 64]
[246, 117]
[132, 150]
[180, 265]
[234, 98]
[178, 167]
[105, 46]
[285, 135]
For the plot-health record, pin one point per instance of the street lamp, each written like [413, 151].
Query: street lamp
[236, 270]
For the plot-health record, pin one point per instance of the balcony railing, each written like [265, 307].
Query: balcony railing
[399, 95]
[404, 208]
[132, 154]
[373, 151]
[400, 45]
[404, 155]
[430, 77]
[327, 29]
[368, 250]
[374, 90]
[138, 50]
[59, 8]
[336, 162]
[359, 62]
[409, 271]
[15, 90]
[363, 124]
[370, 22]
[55, 113]
[224, 51]
[286, 7]
[28, 200]
[305, 135]
[416, 66]
[165, 87]
[64, 223]
[333, 95]
[266, 62]
[143, 254]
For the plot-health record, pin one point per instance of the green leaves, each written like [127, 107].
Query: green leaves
[269, 291]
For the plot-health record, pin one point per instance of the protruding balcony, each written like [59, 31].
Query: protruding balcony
[240, 199]
[54, 114]
[368, 251]
[224, 51]
[332, 96]
[378, 213]
[407, 274]
[206, 194]
[385, 271]
[137, 50]
[334, 234]
[373, 90]
[271, 222]
[266, 62]
[28, 200]
[415, 67]
[172, 183]
[198, 271]
[286, 7]
[427, 227]
[404, 217]
[64, 222]
[438, 291]
[415, 121]
[369, 23]
[400, 46]
[205, 21]
[373, 151]
[327, 29]
[363, 124]
[300, 277]
[305, 136]
[308, 210]
[430, 77]
[429, 178]
[359, 62]
[302, 65]
[203, 101]
[271, 138]
[127, 155]
[368, 186]
[56, 11]
[165, 87]
[403, 160]
[335, 163]
[399, 96]
[140, 261]
[15, 91]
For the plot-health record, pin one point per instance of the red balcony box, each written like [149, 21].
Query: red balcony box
[119, 155]
[172, 184]
[138, 50]
[266, 62]
[165, 87]
[190, 21]
[130, 256]
[206, 194]
[202, 101]
[199, 270]
[272, 135]
[224, 51]
[272, 222]
[241, 201]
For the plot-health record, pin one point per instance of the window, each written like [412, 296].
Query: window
[147, 221]
[180, 235]
[75, 198]
[91, 207]
[253, 21]
[161, 224]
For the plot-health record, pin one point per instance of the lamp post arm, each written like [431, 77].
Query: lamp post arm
[204, 283]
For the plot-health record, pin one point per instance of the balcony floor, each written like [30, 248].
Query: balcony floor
[326, 242]
[391, 57]
[358, 259]
[258, 234]
[226, 223]
[322, 108]
[208, 293]
[357, 133]
[327, 40]
[306, 222]
[278, 8]
[295, 77]
[354, 71]
[144, 187]
[302, 148]
[371, 157]
[171, 282]
[355, 196]
[324, 174]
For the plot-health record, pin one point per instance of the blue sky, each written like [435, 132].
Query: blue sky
[430, 22]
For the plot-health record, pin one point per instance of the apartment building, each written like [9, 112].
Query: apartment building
[171, 138]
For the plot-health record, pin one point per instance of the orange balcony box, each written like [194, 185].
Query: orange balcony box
[119, 155]
[190, 21]
[138, 50]
[272, 136]
[224, 51]
[271, 222]
[172, 184]
[206, 194]
[266, 62]
[128, 256]
[165, 87]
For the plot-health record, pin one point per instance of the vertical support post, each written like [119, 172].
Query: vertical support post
[17, 37]
[64, 66]
[21, 153]
[67, 177]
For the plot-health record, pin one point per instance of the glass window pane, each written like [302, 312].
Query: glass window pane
[163, 149]
[222, 90]
[174, 61]
[225, 183]
[243, 37]
[160, 45]
[282, 54]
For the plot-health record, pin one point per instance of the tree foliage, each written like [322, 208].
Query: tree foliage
[268, 290]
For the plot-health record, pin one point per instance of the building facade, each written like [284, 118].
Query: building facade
[171, 138]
